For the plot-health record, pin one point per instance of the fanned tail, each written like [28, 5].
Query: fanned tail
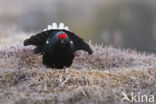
[54, 26]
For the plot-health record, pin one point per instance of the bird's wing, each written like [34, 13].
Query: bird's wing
[38, 39]
[79, 43]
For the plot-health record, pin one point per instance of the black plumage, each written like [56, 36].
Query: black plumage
[57, 52]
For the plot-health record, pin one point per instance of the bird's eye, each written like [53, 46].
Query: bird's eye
[60, 36]
[64, 36]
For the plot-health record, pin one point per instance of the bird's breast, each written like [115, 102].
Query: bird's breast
[59, 56]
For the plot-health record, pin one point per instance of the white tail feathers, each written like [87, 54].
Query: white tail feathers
[49, 27]
[54, 26]
[61, 26]
[66, 28]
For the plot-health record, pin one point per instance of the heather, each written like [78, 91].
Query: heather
[96, 79]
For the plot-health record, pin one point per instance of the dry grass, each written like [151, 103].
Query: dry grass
[97, 79]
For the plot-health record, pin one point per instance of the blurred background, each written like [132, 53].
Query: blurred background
[121, 23]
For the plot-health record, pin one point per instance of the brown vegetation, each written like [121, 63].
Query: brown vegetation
[96, 79]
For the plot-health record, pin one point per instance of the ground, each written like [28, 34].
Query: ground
[100, 78]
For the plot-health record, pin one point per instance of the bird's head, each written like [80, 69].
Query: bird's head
[60, 38]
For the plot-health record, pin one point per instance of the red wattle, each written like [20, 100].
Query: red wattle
[60, 36]
[64, 36]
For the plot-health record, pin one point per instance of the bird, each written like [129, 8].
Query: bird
[57, 45]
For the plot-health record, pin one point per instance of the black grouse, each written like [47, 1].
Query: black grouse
[57, 45]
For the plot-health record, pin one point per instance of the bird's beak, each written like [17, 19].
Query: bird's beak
[62, 41]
